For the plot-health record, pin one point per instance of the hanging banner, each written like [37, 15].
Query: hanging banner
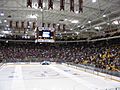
[34, 25]
[11, 24]
[54, 25]
[43, 24]
[29, 3]
[22, 24]
[80, 6]
[28, 24]
[48, 24]
[64, 27]
[40, 3]
[17, 24]
[62, 4]
[58, 27]
[72, 5]
[50, 4]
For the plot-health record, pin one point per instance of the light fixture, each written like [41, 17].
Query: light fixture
[28, 26]
[6, 41]
[1, 14]
[35, 6]
[115, 22]
[43, 5]
[104, 15]
[73, 38]
[8, 29]
[28, 37]
[82, 26]
[7, 25]
[5, 20]
[108, 23]
[78, 26]
[0, 21]
[89, 21]
[66, 19]
[5, 28]
[77, 33]
[74, 21]
[30, 22]
[98, 27]
[71, 29]
[6, 32]
[76, 12]
[33, 16]
[2, 35]
[64, 31]
[58, 24]
[41, 9]
[94, 1]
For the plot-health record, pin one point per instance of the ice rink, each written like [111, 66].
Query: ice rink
[51, 77]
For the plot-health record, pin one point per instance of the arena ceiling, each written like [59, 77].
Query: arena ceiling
[97, 17]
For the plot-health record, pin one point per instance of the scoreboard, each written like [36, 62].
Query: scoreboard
[44, 34]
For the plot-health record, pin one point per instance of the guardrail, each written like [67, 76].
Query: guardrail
[1, 63]
[113, 73]
[98, 72]
[92, 68]
[118, 88]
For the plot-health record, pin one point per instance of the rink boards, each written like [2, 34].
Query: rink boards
[34, 76]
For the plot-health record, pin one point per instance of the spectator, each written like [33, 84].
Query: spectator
[100, 55]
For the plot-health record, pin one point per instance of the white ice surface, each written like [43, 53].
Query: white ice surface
[51, 77]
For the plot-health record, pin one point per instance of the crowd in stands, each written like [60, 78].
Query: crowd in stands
[101, 54]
